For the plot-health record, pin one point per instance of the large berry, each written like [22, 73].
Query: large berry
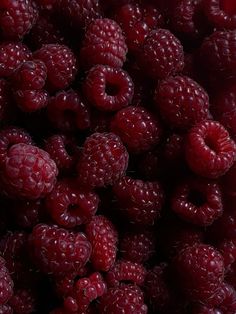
[6, 283]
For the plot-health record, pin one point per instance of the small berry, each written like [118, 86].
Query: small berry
[31, 100]
[6, 283]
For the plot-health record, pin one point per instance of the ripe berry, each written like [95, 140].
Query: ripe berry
[6, 283]
[31, 100]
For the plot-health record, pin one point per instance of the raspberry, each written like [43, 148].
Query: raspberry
[28, 172]
[61, 65]
[126, 299]
[58, 251]
[104, 43]
[67, 112]
[103, 237]
[31, 100]
[140, 201]
[200, 271]
[138, 129]
[161, 54]
[182, 102]
[71, 206]
[6, 283]
[23, 302]
[104, 160]
[198, 201]
[210, 152]
[12, 55]
[125, 271]
[17, 18]
[137, 247]
[108, 89]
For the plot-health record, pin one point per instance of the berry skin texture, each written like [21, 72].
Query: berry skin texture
[182, 102]
[161, 54]
[198, 201]
[61, 65]
[108, 89]
[31, 100]
[28, 172]
[210, 152]
[200, 271]
[58, 251]
[70, 206]
[139, 201]
[104, 43]
[103, 237]
[6, 283]
[138, 129]
[103, 161]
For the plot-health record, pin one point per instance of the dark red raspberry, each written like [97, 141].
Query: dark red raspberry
[137, 247]
[58, 251]
[104, 160]
[70, 206]
[104, 43]
[61, 65]
[138, 129]
[67, 112]
[210, 152]
[198, 201]
[31, 100]
[12, 55]
[227, 248]
[6, 283]
[17, 18]
[125, 299]
[103, 237]
[140, 201]
[6, 309]
[161, 54]
[23, 302]
[200, 271]
[182, 102]
[108, 89]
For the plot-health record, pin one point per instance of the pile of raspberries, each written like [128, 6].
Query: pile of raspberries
[118, 156]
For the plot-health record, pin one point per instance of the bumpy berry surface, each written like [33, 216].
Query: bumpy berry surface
[6, 283]
[31, 100]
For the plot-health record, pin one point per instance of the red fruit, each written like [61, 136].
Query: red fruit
[23, 302]
[6, 283]
[31, 100]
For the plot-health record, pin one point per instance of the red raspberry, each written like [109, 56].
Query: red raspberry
[198, 201]
[31, 100]
[67, 112]
[182, 102]
[137, 247]
[108, 89]
[6, 283]
[12, 55]
[17, 18]
[125, 271]
[28, 172]
[6, 309]
[161, 54]
[104, 160]
[200, 271]
[210, 152]
[139, 129]
[58, 251]
[23, 302]
[103, 237]
[139, 200]
[61, 65]
[126, 299]
[104, 43]
[70, 206]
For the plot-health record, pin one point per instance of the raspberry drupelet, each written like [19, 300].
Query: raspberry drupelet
[6, 283]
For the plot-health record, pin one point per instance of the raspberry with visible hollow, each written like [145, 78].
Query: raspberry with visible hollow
[31, 100]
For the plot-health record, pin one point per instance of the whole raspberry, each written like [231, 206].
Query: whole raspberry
[137, 247]
[104, 43]
[23, 301]
[104, 160]
[67, 112]
[199, 270]
[108, 89]
[198, 201]
[182, 102]
[103, 237]
[28, 172]
[138, 129]
[31, 100]
[161, 54]
[6, 283]
[58, 251]
[126, 299]
[210, 152]
[61, 65]
[140, 201]
[12, 55]
[17, 18]
[70, 206]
